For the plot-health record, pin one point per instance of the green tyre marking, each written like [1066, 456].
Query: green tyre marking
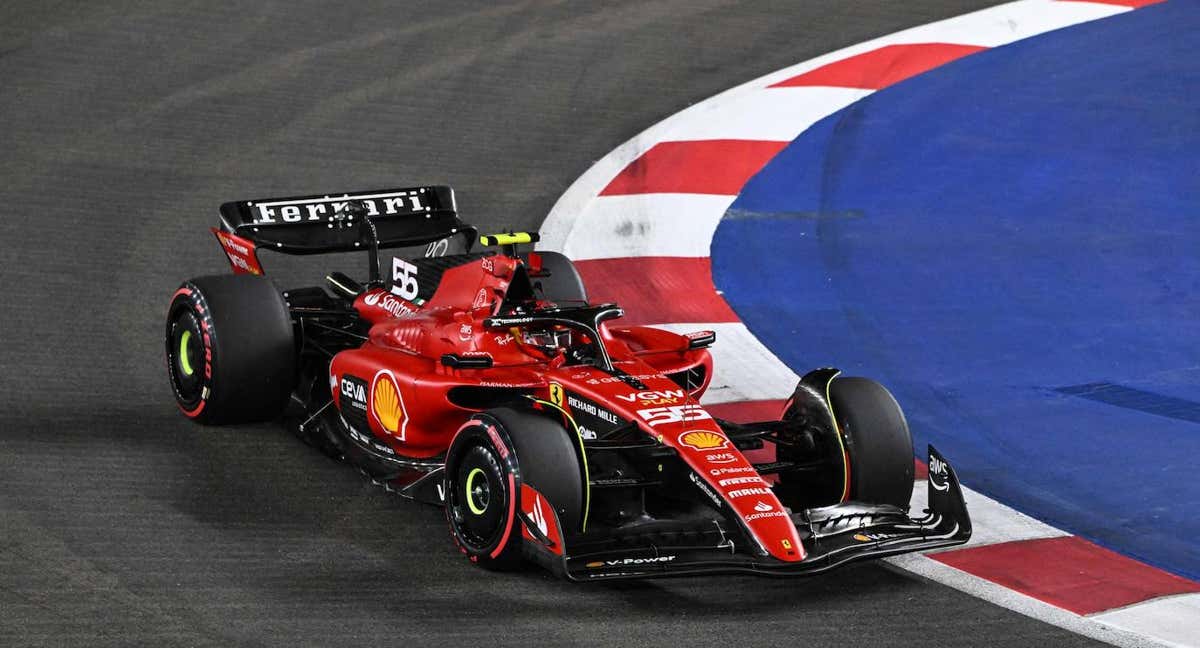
[470, 498]
[183, 356]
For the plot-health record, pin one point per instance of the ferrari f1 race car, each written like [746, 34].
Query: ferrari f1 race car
[484, 381]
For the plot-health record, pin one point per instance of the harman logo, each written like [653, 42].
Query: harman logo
[703, 440]
[387, 404]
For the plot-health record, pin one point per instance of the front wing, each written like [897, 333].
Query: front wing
[832, 536]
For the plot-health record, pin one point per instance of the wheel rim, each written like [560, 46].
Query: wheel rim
[185, 352]
[479, 500]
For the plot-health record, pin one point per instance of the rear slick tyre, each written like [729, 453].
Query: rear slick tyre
[231, 353]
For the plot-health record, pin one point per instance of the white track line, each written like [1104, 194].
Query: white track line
[648, 225]
[1174, 619]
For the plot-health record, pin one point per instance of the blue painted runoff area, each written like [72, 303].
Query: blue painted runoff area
[1011, 244]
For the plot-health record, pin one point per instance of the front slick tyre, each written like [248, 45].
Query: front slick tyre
[481, 500]
[879, 443]
[231, 354]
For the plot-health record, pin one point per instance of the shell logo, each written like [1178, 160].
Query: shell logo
[387, 404]
[703, 440]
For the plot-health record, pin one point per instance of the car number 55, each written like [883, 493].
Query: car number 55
[676, 414]
[404, 279]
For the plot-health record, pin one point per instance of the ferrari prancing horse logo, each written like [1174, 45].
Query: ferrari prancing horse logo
[556, 394]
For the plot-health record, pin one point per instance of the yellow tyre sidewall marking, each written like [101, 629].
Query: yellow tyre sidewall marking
[184, 362]
[475, 472]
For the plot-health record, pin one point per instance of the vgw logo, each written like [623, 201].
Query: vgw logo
[667, 397]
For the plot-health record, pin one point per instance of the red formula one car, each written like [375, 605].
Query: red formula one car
[485, 381]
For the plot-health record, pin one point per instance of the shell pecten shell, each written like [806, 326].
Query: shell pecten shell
[386, 403]
[703, 440]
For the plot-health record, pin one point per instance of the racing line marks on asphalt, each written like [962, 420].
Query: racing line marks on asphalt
[653, 204]
[1136, 399]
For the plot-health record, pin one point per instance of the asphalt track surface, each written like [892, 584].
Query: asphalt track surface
[121, 129]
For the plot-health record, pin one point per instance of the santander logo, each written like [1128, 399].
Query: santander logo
[387, 302]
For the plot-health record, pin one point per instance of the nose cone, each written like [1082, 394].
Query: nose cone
[666, 412]
[706, 449]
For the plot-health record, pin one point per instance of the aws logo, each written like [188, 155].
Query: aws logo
[939, 474]
[387, 404]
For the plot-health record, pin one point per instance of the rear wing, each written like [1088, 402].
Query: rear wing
[307, 225]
